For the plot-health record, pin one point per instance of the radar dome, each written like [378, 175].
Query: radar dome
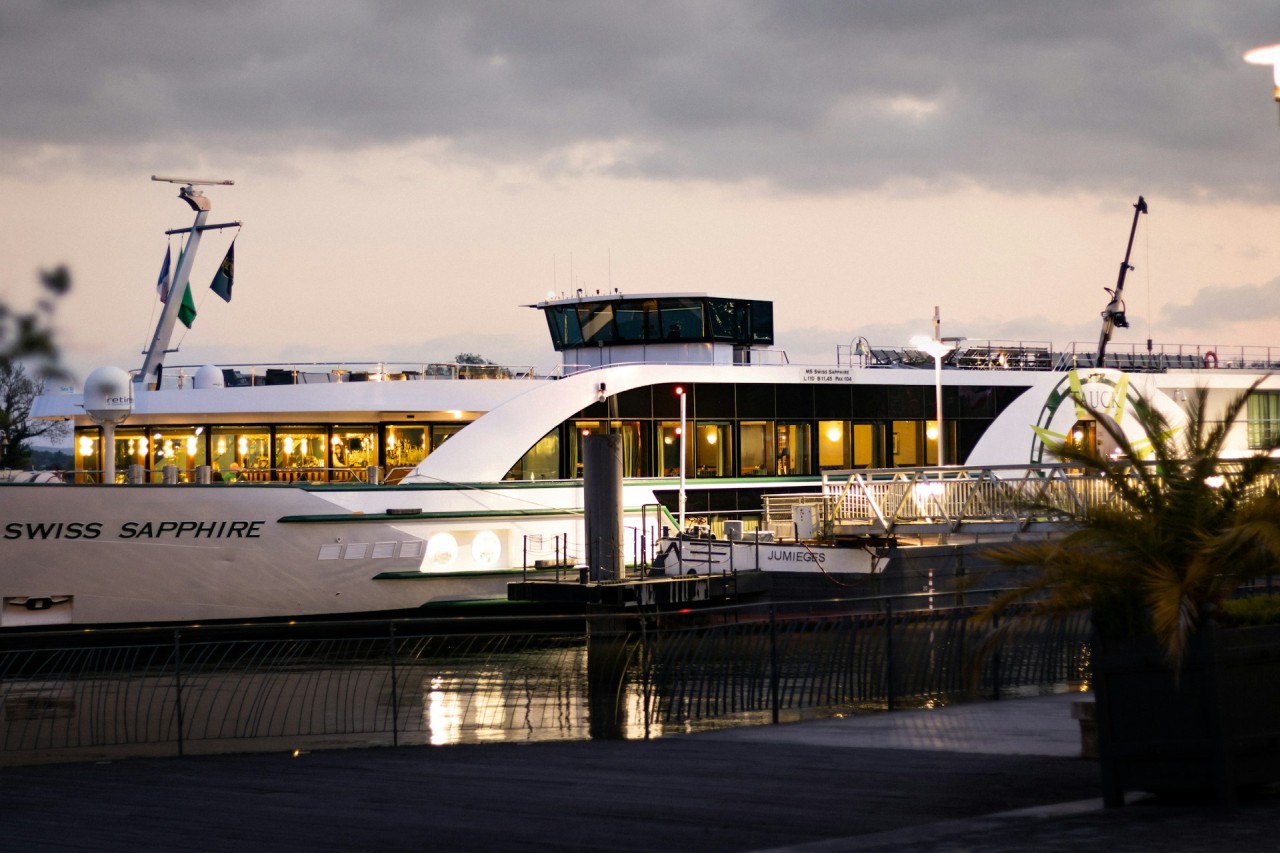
[108, 395]
[210, 376]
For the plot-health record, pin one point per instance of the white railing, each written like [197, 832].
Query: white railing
[883, 502]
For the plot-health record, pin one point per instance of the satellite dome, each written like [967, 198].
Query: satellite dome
[209, 376]
[108, 395]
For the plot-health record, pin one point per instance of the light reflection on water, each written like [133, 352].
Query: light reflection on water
[457, 690]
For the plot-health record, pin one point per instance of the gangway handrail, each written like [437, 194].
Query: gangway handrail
[883, 502]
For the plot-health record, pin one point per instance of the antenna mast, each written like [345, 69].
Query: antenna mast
[1113, 314]
[149, 376]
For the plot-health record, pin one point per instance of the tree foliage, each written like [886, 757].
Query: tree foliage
[1182, 532]
[18, 391]
[27, 336]
[27, 342]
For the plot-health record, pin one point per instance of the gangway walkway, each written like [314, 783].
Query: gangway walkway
[999, 500]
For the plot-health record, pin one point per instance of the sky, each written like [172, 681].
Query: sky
[410, 175]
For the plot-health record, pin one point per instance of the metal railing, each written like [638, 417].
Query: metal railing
[998, 498]
[448, 681]
[1043, 355]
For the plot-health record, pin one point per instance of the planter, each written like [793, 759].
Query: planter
[1215, 727]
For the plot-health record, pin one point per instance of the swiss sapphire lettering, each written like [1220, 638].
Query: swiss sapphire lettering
[245, 529]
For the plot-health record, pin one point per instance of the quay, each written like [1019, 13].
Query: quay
[991, 776]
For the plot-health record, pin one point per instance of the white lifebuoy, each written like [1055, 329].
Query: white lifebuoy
[1210, 359]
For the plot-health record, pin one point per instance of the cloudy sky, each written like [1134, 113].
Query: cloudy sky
[409, 174]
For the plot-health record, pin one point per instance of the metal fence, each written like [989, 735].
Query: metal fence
[452, 681]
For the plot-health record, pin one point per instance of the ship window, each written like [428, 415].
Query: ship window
[562, 320]
[241, 452]
[793, 449]
[728, 319]
[301, 453]
[712, 449]
[682, 319]
[756, 440]
[540, 462]
[908, 444]
[133, 447]
[834, 440]
[353, 448]
[762, 322]
[597, 322]
[88, 452]
[1263, 414]
[181, 447]
[669, 450]
[866, 446]
[440, 433]
[579, 431]
[846, 445]
[406, 446]
[634, 317]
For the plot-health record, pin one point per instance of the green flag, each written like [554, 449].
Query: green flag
[187, 312]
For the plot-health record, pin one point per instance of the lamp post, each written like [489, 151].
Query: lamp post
[1269, 55]
[680, 394]
[938, 347]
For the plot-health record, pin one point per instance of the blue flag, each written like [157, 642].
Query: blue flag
[226, 274]
[163, 284]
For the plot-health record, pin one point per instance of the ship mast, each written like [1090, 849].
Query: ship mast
[148, 377]
[1113, 314]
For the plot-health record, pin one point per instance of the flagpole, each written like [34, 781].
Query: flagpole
[149, 376]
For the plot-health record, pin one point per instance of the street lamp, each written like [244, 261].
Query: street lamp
[1269, 55]
[680, 438]
[938, 347]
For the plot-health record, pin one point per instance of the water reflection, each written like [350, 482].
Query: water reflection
[450, 689]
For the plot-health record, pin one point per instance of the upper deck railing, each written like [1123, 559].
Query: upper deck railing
[311, 373]
[1043, 355]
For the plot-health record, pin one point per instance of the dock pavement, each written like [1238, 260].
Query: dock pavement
[991, 776]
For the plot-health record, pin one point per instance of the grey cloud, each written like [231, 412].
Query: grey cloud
[812, 97]
[1214, 305]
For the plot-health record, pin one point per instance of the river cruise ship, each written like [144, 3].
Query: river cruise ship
[242, 491]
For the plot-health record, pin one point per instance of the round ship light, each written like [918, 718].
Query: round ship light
[442, 550]
[486, 548]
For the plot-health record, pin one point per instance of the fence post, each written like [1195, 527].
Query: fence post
[177, 680]
[773, 660]
[395, 689]
[995, 660]
[888, 653]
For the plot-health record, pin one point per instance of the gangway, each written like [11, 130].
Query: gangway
[977, 501]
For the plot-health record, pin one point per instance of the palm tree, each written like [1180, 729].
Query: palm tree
[1182, 531]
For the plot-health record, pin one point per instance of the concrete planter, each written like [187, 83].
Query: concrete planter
[1216, 726]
